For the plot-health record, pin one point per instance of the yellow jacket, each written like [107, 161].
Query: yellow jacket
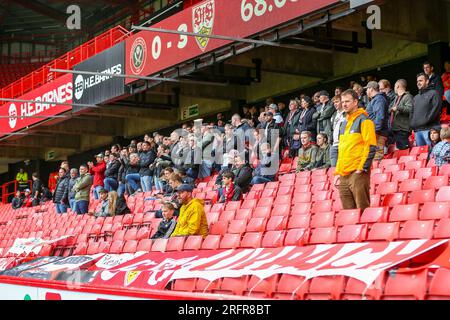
[357, 143]
[192, 220]
[22, 178]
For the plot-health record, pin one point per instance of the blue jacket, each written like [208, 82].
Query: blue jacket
[377, 110]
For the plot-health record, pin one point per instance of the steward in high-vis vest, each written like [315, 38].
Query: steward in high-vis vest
[357, 147]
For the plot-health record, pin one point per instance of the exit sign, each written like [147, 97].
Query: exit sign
[190, 112]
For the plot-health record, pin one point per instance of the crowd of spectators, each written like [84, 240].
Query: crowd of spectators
[247, 150]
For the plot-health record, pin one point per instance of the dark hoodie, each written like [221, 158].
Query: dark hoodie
[378, 113]
[426, 110]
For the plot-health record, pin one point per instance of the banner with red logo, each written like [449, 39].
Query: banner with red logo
[151, 52]
[363, 261]
[59, 91]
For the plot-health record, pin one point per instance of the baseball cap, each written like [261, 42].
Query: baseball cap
[185, 187]
[100, 155]
[269, 113]
[27, 190]
[373, 85]
[324, 93]
[273, 106]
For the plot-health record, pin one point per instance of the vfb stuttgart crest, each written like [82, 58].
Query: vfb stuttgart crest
[203, 22]
[138, 55]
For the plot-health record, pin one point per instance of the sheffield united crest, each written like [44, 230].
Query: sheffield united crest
[203, 22]
[138, 55]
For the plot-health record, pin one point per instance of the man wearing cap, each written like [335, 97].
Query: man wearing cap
[276, 113]
[378, 109]
[27, 200]
[192, 220]
[357, 147]
[98, 171]
[269, 126]
[324, 114]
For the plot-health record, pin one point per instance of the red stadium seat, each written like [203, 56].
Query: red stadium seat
[159, 245]
[252, 240]
[261, 288]
[281, 210]
[130, 234]
[273, 239]
[143, 233]
[436, 182]
[393, 199]
[352, 233]
[404, 212]
[244, 214]
[419, 150]
[321, 195]
[249, 204]
[227, 215]
[230, 241]
[445, 170]
[256, 225]
[285, 190]
[415, 165]
[237, 226]
[443, 194]
[116, 247]
[175, 244]
[119, 235]
[322, 220]
[277, 223]
[347, 217]
[302, 197]
[261, 212]
[442, 230]
[439, 288]
[92, 248]
[218, 207]
[322, 206]
[144, 245]
[130, 246]
[358, 290]
[323, 236]
[203, 285]
[220, 227]
[283, 199]
[193, 243]
[235, 286]
[211, 242]
[187, 285]
[406, 159]
[296, 237]
[387, 162]
[325, 288]
[272, 185]
[379, 178]
[374, 215]
[299, 221]
[127, 220]
[435, 210]
[269, 193]
[384, 231]
[212, 217]
[410, 185]
[233, 205]
[387, 188]
[291, 287]
[400, 153]
[406, 286]
[417, 230]
[394, 168]
[422, 196]
[424, 173]
[265, 202]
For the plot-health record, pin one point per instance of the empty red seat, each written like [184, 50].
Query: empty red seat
[211, 242]
[415, 165]
[227, 215]
[325, 288]
[404, 212]
[296, 237]
[285, 190]
[299, 221]
[283, 199]
[445, 170]
[249, 204]
[422, 196]
[261, 212]
[220, 227]
[291, 287]
[281, 209]
[218, 207]
[323, 235]
[235, 286]
[237, 226]
[272, 185]
[384, 231]
[175, 244]
[379, 178]
[268, 193]
[261, 288]
[435, 210]
[230, 241]
[252, 240]
[256, 225]
[424, 173]
[417, 230]
[387, 162]
[159, 245]
[265, 202]
[130, 234]
[419, 150]
[439, 288]
[352, 233]
[143, 233]
[127, 219]
[436, 182]
[347, 217]
[406, 286]
[144, 245]
[193, 243]
[394, 167]
[410, 185]
[321, 195]
[301, 208]
[119, 235]
[442, 230]
[243, 214]
[322, 206]
[373, 215]
[212, 217]
[92, 248]
[233, 205]
[406, 159]
[187, 285]
[394, 199]
[443, 194]
[387, 187]
[277, 223]
[116, 247]
[322, 220]
[273, 239]
[130, 246]
[358, 290]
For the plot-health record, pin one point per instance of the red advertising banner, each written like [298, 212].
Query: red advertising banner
[363, 261]
[59, 91]
[151, 52]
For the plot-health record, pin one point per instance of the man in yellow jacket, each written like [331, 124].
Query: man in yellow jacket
[357, 147]
[192, 219]
[22, 179]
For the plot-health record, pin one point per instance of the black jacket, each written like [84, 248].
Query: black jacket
[401, 116]
[132, 169]
[146, 159]
[436, 83]
[69, 192]
[426, 110]
[61, 195]
[37, 186]
[122, 170]
[290, 126]
[307, 123]
[112, 170]
[243, 176]
[17, 202]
